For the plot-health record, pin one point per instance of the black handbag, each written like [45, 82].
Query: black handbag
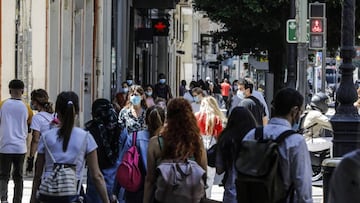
[211, 155]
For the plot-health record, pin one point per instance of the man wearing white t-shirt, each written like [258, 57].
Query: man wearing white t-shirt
[15, 116]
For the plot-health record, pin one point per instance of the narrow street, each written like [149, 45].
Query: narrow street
[217, 192]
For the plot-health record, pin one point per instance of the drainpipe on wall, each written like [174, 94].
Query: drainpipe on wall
[17, 24]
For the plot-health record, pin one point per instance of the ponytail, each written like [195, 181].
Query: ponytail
[67, 106]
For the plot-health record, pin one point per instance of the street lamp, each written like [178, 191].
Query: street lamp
[346, 121]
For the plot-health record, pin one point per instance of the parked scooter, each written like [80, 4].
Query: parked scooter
[317, 130]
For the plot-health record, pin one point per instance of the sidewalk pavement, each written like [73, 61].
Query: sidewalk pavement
[217, 192]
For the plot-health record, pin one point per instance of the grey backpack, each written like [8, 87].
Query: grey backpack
[179, 181]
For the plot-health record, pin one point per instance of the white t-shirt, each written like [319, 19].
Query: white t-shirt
[13, 126]
[188, 97]
[75, 153]
[41, 121]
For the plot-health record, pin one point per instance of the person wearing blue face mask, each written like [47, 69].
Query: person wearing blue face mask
[162, 89]
[129, 80]
[149, 99]
[235, 100]
[133, 114]
[120, 98]
[132, 120]
[198, 94]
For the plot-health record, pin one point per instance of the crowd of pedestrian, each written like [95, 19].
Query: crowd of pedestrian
[160, 127]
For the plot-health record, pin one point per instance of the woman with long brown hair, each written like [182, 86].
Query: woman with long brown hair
[181, 140]
[155, 117]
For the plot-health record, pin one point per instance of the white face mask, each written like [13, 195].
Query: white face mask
[149, 93]
[240, 94]
[125, 90]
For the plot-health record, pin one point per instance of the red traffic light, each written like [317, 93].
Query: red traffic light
[316, 25]
[160, 27]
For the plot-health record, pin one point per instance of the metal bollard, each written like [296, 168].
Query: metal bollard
[328, 166]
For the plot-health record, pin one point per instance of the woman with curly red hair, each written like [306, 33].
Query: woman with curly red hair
[181, 140]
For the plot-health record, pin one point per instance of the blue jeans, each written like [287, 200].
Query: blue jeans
[92, 195]
[17, 162]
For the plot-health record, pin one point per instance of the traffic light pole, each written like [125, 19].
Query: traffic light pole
[301, 18]
[323, 68]
[323, 60]
[291, 78]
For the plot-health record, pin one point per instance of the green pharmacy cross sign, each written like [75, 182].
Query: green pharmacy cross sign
[291, 31]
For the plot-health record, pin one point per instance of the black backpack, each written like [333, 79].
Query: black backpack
[259, 178]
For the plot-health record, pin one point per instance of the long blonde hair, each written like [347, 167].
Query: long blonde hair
[210, 108]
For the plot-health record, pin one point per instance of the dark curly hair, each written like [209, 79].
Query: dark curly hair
[181, 132]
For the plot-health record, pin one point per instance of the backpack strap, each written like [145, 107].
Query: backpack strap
[284, 135]
[47, 148]
[257, 102]
[259, 133]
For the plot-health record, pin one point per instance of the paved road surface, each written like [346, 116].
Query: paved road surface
[217, 192]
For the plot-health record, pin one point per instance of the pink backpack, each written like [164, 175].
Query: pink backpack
[128, 173]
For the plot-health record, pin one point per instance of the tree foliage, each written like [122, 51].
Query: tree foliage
[247, 23]
[261, 25]
[250, 24]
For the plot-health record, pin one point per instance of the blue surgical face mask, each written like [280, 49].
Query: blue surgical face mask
[129, 82]
[135, 99]
[148, 93]
[240, 94]
[296, 126]
[125, 90]
[32, 106]
[196, 99]
[162, 81]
